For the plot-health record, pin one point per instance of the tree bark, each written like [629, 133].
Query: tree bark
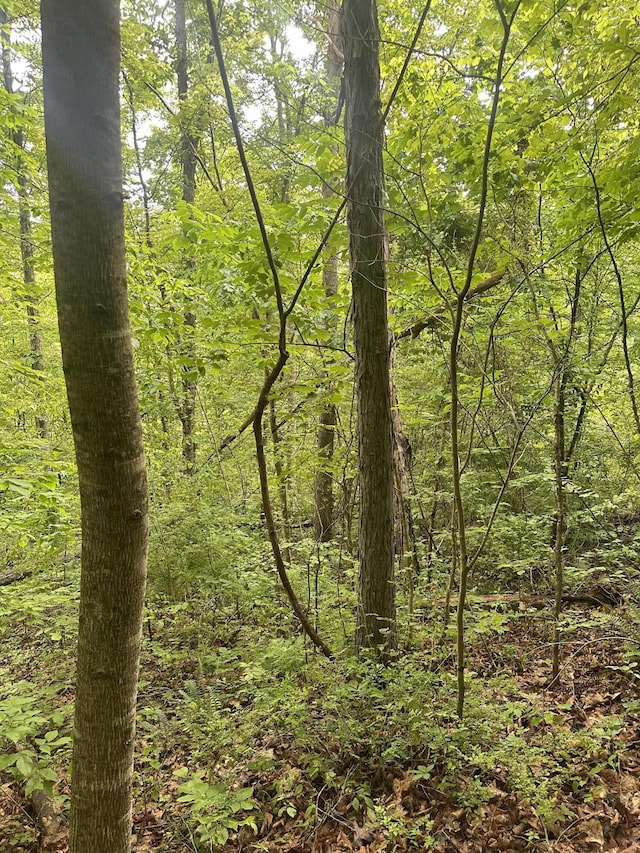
[323, 482]
[364, 127]
[281, 477]
[81, 55]
[561, 470]
[405, 537]
[188, 146]
[325, 435]
[561, 359]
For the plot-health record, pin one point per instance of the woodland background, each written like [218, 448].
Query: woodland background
[511, 156]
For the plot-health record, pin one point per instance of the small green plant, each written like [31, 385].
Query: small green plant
[218, 810]
[399, 831]
[362, 799]
[287, 793]
[29, 738]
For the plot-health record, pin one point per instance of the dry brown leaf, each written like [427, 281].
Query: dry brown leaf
[631, 802]
[402, 785]
[343, 842]
[362, 835]
[592, 833]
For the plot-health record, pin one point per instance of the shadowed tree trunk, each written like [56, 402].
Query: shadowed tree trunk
[188, 146]
[405, 537]
[81, 54]
[561, 356]
[325, 435]
[364, 128]
[561, 471]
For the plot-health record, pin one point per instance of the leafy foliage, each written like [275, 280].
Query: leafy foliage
[245, 736]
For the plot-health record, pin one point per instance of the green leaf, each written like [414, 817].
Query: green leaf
[24, 763]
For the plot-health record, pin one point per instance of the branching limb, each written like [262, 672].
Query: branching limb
[435, 319]
[271, 376]
[507, 24]
[621, 296]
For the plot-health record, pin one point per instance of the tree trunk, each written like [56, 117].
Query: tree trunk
[188, 145]
[405, 537]
[325, 435]
[560, 521]
[26, 244]
[364, 127]
[281, 477]
[323, 482]
[81, 54]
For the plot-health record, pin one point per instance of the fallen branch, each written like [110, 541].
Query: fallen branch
[430, 322]
[49, 820]
[10, 576]
[435, 319]
[600, 597]
[487, 284]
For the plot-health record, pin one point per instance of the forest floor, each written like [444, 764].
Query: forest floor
[273, 749]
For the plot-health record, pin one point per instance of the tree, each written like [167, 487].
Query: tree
[325, 436]
[186, 401]
[81, 51]
[364, 130]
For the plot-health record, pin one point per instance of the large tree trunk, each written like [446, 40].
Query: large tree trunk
[325, 435]
[81, 54]
[364, 126]
[26, 241]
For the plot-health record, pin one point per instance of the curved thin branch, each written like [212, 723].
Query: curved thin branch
[618, 275]
[256, 417]
[407, 60]
[453, 358]
[217, 46]
[283, 313]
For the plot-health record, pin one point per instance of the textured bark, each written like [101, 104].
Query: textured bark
[323, 483]
[408, 564]
[561, 462]
[81, 53]
[188, 148]
[26, 242]
[281, 477]
[561, 470]
[405, 537]
[364, 127]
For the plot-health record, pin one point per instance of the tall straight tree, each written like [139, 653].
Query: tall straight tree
[325, 435]
[186, 402]
[364, 130]
[81, 57]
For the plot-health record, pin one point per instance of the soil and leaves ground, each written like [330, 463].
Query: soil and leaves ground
[247, 741]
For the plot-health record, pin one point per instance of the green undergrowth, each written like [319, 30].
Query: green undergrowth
[242, 726]
[339, 735]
